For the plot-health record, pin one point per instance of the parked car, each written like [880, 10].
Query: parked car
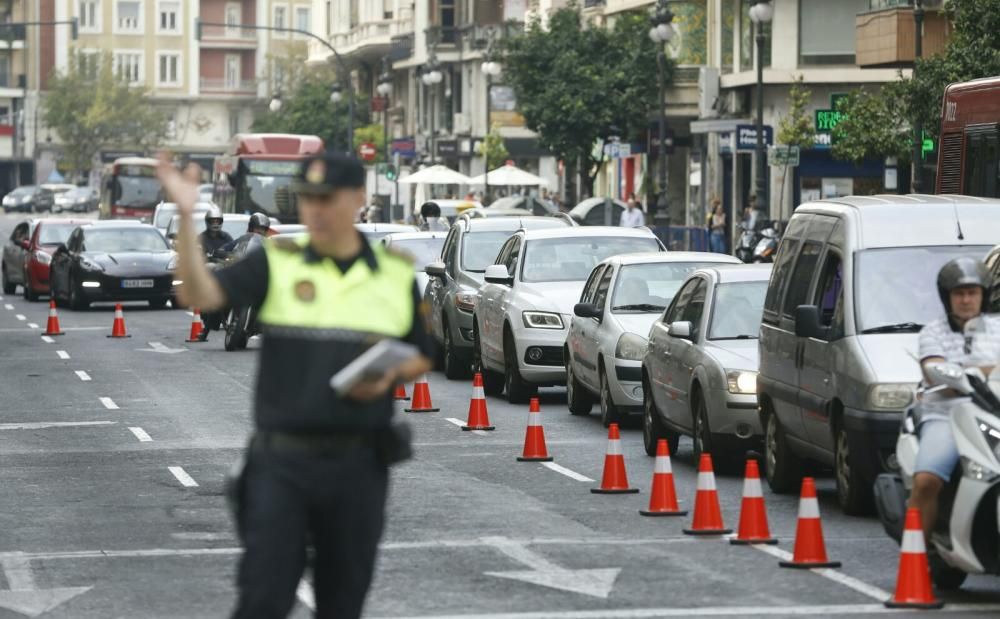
[166, 210]
[15, 252]
[77, 200]
[28, 199]
[607, 336]
[453, 287]
[594, 212]
[700, 370]
[849, 293]
[522, 316]
[530, 204]
[57, 189]
[423, 247]
[32, 269]
[120, 262]
[452, 209]
[376, 232]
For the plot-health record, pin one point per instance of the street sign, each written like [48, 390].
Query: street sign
[368, 151]
[826, 120]
[617, 150]
[783, 156]
[746, 137]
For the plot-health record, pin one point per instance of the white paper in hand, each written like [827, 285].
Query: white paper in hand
[374, 362]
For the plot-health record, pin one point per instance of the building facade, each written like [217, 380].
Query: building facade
[19, 61]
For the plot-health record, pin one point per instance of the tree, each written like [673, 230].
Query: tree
[796, 128]
[92, 107]
[576, 84]
[493, 148]
[873, 125]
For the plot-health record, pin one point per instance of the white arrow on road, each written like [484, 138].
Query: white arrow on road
[597, 583]
[161, 348]
[24, 597]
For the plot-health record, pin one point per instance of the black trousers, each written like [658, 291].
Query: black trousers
[336, 504]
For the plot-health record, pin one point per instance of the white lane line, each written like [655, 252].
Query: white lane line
[32, 325]
[8, 306]
[83, 375]
[20, 316]
[191, 314]
[43, 425]
[838, 577]
[62, 354]
[141, 435]
[48, 340]
[17, 571]
[186, 480]
[109, 404]
[306, 594]
[461, 424]
[565, 471]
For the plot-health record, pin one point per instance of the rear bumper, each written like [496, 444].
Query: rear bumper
[872, 439]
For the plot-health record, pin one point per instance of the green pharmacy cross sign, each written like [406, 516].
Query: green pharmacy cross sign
[826, 120]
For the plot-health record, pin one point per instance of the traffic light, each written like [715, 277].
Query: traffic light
[390, 172]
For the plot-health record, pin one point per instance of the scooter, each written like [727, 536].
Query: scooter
[767, 246]
[746, 244]
[966, 537]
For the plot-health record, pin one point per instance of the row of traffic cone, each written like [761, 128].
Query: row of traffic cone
[117, 327]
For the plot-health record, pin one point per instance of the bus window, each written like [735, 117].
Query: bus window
[982, 164]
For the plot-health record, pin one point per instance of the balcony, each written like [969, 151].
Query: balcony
[222, 37]
[885, 38]
[372, 39]
[220, 86]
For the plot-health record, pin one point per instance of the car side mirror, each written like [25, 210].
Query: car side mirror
[587, 310]
[435, 269]
[681, 329]
[807, 322]
[497, 274]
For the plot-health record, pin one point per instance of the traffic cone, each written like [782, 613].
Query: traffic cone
[118, 328]
[707, 514]
[615, 481]
[663, 497]
[534, 436]
[52, 327]
[421, 398]
[753, 527]
[400, 393]
[195, 327]
[479, 418]
[810, 549]
[913, 584]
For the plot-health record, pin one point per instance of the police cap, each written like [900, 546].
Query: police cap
[324, 174]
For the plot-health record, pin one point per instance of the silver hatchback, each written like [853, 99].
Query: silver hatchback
[700, 370]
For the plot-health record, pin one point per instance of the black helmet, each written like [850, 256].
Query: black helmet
[430, 209]
[258, 221]
[213, 212]
[964, 271]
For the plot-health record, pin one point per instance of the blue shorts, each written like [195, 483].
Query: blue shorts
[937, 453]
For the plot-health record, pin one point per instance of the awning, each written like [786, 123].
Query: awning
[718, 125]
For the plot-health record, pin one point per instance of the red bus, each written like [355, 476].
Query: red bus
[255, 173]
[129, 189]
[969, 154]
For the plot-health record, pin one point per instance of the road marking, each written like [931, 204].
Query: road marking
[109, 404]
[20, 316]
[565, 471]
[8, 306]
[160, 348]
[461, 424]
[32, 325]
[838, 577]
[42, 425]
[306, 594]
[141, 435]
[48, 340]
[17, 571]
[191, 314]
[186, 480]
[24, 597]
[62, 354]
[83, 375]
[593, 582]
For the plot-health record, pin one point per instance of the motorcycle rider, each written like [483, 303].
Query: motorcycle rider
[430, 214]
[259, 225]
[962, 285]
[214, 236]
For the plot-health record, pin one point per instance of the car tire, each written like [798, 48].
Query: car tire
[701, 434]
[493, 382]
[29, 292]
[579, 399]
[653, 428]
[609, 412]
[450, 360]
[77, 302]
[854, 492]
[8, 288]
[519, 391]
[783, 468]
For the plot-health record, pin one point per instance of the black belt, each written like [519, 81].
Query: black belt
[312, 443]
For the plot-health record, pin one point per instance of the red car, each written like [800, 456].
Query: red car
[46, 237]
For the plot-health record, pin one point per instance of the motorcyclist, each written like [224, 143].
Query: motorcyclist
[259, 225]
[430, 212]
[214, 236]
[962, 285]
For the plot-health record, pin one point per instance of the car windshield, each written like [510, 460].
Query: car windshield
[424, 251]
[649, 288]
[23, 191]
[737, 311]
[53, 234]
[270, 194]
[163, 215]
[138, 191]
[898, 286]
[572, 259]
[480, 249]
[124, 239]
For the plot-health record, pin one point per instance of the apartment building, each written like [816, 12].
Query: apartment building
[18, 99]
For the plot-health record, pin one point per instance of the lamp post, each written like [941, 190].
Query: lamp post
[661, 31]
[918, 127]
[761, 13]
[431, 77]
[275, 104]
[384, 89]
[490, 69]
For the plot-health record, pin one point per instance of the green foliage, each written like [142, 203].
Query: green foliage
[574, 82]
[87, 106]
[374, 134]
[871, 126]
[494, 148]
[797, 127]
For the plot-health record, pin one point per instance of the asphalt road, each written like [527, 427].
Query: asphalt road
[113, 452]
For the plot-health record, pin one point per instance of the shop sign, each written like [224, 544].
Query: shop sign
[746, 137]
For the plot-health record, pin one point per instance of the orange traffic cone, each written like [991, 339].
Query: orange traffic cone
[52, 327]
[195, 327]
[400, 393]
[479, 418]
[663, 497]
[913, 584]
[421, 398]
[118, 328]
[810, 549]
[615, 481]
[534, 436]
[707, 514]
[753, 527]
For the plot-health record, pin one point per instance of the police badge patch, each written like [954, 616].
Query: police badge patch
[305, 290]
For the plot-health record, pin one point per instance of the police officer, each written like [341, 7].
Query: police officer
[214, 236]
[317, 469]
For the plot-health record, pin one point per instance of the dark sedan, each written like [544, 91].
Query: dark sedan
[28, 199]
[113, 262]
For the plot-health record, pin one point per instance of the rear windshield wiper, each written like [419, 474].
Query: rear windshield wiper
[642, 307]
[901, 327]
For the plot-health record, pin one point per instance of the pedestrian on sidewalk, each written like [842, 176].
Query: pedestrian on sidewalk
[632, 216]
[717, 233]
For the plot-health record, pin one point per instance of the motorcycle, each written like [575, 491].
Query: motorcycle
[966, 536]
[767, 246]
[747, 242]
[238, 323]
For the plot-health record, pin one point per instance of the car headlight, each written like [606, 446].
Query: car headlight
[890, 396]
[741, 381]
[466, 300]
[42, 257]
[542, 320]
[89, 265]
[631, 347]
[172, 265]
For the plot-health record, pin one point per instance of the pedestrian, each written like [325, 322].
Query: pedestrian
[430, 214]
[632, 216]
[717, 232]
[317, 466]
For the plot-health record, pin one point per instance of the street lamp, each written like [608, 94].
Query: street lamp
[490, 69]
[918, 127]
[384, 89]
[761, 13]
[431, 77]
[336, 94]
[275, 104]
[661, 31]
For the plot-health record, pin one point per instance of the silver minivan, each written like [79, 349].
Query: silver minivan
[853, 283]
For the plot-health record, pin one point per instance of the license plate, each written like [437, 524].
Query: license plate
[137, 283]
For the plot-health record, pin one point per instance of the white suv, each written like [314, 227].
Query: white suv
[525, 307]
